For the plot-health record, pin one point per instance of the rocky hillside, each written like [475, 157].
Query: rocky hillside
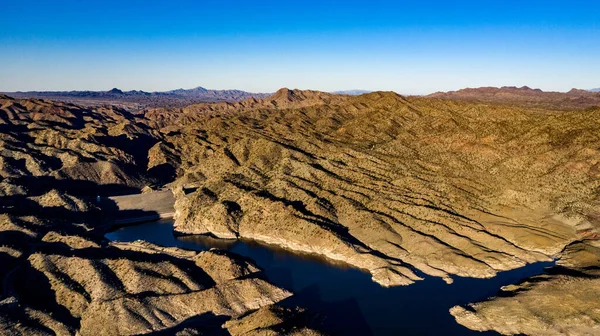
[401, 187]
[562, 302]
[390, 184]
[525, 96]
[60, 276]
[47, 141]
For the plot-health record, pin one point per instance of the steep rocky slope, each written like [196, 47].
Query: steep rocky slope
[60, 276]
[563, 302]
[390, 184]
[104, 145]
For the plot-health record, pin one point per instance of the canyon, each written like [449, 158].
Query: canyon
[401, 187]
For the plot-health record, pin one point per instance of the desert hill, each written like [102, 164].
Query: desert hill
[412, 177]
[105, 145]
[60, 276]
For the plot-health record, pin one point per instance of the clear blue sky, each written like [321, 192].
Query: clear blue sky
[412, 47]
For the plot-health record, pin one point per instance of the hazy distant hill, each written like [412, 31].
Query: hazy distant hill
[351, 92]
[525, 96]
[216, 95]
[595, 90]
[135, 99]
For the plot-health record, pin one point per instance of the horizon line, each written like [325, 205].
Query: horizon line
[341, 91]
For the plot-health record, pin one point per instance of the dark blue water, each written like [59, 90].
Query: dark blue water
[345, 299]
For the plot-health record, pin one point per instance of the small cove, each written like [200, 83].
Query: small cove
[346, 299]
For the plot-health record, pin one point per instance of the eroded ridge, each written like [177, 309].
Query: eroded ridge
[400, 186]
[65, 278]
[387, 183]
[59, 275]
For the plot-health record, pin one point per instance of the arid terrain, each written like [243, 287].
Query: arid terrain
[61, 276]
[459, 184]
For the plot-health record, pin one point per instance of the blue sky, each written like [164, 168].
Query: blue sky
[412, 47]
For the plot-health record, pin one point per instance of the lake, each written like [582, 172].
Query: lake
[345, 298]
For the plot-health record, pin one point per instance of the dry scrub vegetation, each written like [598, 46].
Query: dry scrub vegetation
[402, 187]
[60, 276]
[388, 183]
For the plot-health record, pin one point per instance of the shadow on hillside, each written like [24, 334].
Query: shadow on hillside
[99, 219]
[163, 173]
[137, 147]
[206, 324]
[33, 289]
[39, 185]
[342, 317]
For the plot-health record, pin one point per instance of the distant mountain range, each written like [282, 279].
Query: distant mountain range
[525, 96]
[137, 100]
[351, 92]
[198, 93]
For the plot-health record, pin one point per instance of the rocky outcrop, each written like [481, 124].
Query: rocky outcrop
[562, 302]
[272, 320]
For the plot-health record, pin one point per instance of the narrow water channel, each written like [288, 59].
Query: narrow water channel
[345, 298]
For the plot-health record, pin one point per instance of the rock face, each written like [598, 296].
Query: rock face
[390, 184]
[563, 302]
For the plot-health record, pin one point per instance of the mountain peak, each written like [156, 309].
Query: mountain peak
[286, 97]
[577, 91]
[285, 94]
[199, 89]
[115, 91]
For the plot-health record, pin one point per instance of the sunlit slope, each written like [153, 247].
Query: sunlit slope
[391, 184]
